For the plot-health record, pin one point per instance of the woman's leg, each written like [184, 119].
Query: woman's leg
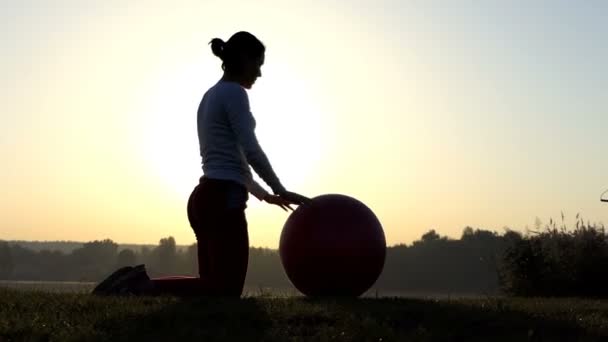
[216, 211]
[179, 286]
[227, 250]
[183, 285]
[218, 219]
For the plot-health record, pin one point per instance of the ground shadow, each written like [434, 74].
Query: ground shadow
[462, 320]
[204, 319]
[365, 319]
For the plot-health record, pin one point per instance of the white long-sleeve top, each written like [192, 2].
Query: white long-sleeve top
[228, 144]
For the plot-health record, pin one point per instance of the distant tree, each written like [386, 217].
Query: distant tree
[511, 236]
[467, 232]
[266, 270]
[481, 251]
[24, 262]
[164, 258]
[191, 260]
[431, 239]
[6, 260]
[95, 259]
[431, 235]
[97, 252]
[144, 254]
[126, 257]
[53, 265]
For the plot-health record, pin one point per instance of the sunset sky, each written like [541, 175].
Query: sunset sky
[436, 114]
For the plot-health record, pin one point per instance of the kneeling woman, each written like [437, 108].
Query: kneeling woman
[216, 207]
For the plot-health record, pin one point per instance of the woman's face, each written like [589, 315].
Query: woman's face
[251, 71]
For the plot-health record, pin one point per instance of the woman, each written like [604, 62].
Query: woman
[216, 207]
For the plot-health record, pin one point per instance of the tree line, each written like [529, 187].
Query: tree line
[552, 260]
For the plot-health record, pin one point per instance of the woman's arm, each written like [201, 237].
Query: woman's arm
[256, 189]
[243, 125]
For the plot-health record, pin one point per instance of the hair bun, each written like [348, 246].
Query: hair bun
[217, 47]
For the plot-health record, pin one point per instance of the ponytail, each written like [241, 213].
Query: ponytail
[217, 47]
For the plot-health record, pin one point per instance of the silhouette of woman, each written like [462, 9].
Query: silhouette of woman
[216, 206]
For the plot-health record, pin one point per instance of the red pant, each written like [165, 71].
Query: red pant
[216, 211]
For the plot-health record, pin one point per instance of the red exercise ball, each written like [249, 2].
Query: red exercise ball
[334, 246]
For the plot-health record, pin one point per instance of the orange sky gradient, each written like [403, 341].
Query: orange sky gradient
[435, 116]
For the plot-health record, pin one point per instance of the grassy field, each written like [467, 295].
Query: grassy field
[44, 316]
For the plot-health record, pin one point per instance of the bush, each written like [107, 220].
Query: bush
[557, 262]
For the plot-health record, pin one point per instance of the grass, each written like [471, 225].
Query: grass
[44, 316]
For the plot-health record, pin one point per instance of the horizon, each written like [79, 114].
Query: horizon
[539, 224]
[436, 116]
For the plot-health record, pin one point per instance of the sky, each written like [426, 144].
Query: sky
[435, 114]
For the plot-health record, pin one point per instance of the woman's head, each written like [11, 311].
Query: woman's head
[242, 56]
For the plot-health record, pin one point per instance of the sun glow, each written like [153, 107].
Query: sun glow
[289, 126]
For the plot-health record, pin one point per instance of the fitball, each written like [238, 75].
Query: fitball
[333, 246]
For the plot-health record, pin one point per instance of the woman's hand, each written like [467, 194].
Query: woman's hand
[286, 198]
[294, 198]
[278, 200]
